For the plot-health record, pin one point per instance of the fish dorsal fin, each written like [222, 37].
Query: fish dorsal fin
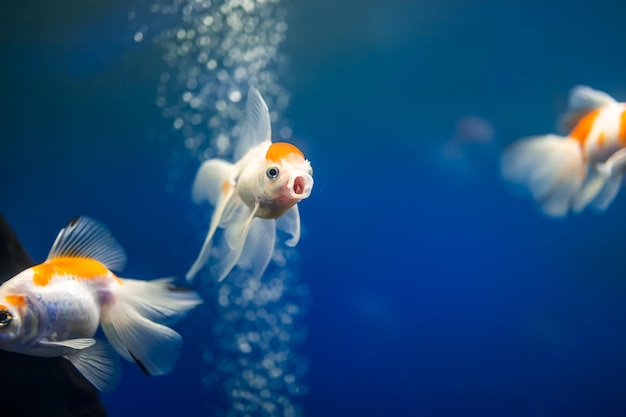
[582, 101]
[583, 97]
[83, 237]
[256, 126]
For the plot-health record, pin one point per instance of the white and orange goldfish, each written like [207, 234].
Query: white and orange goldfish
[253, 196]
[54, 308]
[584, 168]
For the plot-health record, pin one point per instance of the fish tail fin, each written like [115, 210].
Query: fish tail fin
[214, 183]
[209, 182]
[135, 323]
[99, 364]
[550, 167]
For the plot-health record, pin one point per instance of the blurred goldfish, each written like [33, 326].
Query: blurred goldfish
[581, 169]
[53, 309]
[253, 196]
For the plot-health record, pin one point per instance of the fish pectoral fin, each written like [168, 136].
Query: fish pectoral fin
[233, 240]
[607, 194]
[615, 164]
[594, 183]
[224, 202]
[290, 223]
[76, 344]
[259, 246]
[602, 183]
[99, 364]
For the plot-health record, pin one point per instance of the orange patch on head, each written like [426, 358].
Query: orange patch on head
[16, 300]
[78, 268]
[583, 128]
[281, 150]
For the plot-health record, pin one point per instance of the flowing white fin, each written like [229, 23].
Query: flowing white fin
[128, 326]
[234, 239]
[74, 344]
[550, 167]
[162, 301]
[99, 364]
[214, 184]
[83, 237]
[603, 183]
[607, 194]
[596, 180]
[582, 97]
[210, 180]
[259, 246]
[256, 126]
[290, 223]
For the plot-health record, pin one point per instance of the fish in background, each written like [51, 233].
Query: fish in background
[59, 389]
[54, 309]
[253, 196]
[579, 170]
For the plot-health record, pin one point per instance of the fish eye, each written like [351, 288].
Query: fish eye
[272, 172]
[5, 318]
[310, 171]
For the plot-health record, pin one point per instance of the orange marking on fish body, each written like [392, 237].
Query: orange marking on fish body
[225, 186]
[16, 300]
[621, 136]
[42, 274]
[601, 139]
[583, 127]
[78, 268]
[281, 150]
[3, 307]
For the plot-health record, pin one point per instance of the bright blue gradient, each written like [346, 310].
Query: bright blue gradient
[435, 291]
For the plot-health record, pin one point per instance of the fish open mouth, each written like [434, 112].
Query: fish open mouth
[299, 185]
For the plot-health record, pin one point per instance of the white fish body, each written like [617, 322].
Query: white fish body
[584, 168]
[253, 196]
[54, 309]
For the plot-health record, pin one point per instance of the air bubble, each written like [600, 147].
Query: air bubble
[216, 51]
[234, 96]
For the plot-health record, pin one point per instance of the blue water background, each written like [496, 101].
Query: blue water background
[435, 291]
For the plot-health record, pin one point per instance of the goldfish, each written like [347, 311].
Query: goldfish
[253, 197]
[54, 309]
[582, 169]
